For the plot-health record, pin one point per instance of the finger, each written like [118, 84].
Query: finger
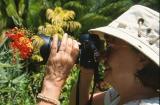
[69, 46]
[54, 46]
[63, 43]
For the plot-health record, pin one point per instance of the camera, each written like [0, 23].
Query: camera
[90, 49]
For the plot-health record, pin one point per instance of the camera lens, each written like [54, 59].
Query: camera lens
[89, 45]
[45, 48]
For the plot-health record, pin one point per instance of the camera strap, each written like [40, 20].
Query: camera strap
[94, 85]
[77, 89]
[96, 78]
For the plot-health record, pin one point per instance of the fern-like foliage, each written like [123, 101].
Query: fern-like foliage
[154, 4]
[93, 19]
[96, 13]
[58, 14]
[60, 20]
[77, 6]
[114, 9]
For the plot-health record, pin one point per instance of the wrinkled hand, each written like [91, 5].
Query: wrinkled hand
[61, 61]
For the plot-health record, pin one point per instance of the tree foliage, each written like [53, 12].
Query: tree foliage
[59, 21]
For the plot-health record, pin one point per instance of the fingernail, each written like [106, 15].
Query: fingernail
[77, 42]
[65, 34]
[76, 46]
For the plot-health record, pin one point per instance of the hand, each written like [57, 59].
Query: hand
[61, 61]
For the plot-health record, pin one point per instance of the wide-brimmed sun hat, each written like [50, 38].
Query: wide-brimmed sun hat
[138, 26]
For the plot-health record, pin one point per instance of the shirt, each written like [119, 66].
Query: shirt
[112, 98]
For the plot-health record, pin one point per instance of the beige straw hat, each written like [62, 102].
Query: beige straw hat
[139, 26]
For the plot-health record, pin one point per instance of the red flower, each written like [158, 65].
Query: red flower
[20, 42]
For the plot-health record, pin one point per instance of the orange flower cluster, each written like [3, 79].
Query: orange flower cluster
[20, 42]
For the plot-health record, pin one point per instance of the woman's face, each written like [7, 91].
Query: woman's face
[121, 63]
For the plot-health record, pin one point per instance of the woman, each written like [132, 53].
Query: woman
[132, 65]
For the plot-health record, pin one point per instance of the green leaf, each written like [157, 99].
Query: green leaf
[3, 22]
[72, 25]
[3, 65]
[3, 38]
[19, 79]
[92, 20]
[21, 7]
[75, 5]
[3, 81]
[6, 90]
[33, 17]
[12, 12]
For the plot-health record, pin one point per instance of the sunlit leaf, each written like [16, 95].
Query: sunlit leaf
[21, 7]
[12, 12]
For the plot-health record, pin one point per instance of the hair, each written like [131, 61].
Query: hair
[150, 76]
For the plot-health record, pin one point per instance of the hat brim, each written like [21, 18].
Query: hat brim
[129, 37]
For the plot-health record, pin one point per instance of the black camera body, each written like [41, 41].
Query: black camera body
[89, 49]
